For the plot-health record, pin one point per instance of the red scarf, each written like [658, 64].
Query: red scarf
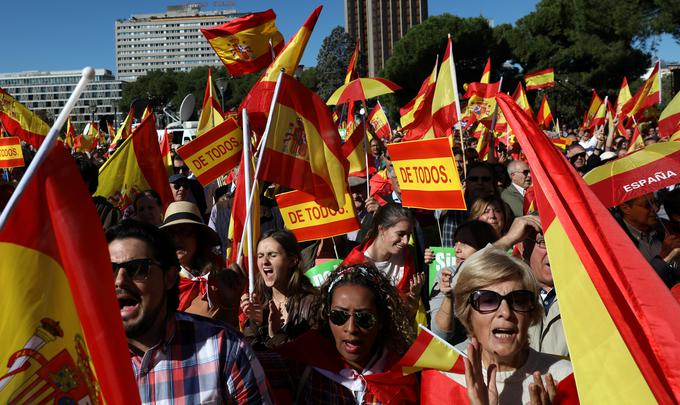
[357, 256]
[189, 289]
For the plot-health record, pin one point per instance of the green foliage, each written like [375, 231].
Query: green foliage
[331, 63]
[310, 79]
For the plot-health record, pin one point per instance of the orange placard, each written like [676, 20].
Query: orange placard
[214, 153]
[427, 174]
[11, 154]
[309, 220]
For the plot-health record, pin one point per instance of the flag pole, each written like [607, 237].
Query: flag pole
[249, 204]
[47, 145]
[659, 76]
[363, 123]
[492, 139]
[458, 115]
[250, 192]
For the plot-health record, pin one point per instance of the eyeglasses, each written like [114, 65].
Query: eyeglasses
[539, 241]
[136, 269]
[177, 186]
[180, 169]
[578, 155]
[364, 320]
[487, 301]
[474, 179]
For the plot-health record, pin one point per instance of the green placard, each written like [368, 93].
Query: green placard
[443, 257]
[318, 274]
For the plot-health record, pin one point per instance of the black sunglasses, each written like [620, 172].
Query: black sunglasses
[183, 185]
[180, 169]
[578, 155]
[364, 320]
[136, 269]
[486, 301]
[483, 179]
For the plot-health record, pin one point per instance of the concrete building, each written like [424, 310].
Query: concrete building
[379, 24]
[169, 41]
[47, 92]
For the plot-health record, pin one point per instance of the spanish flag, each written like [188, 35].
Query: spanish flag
[600, 115]
[648, 95]
[623, 97]
[124, 130]
[593, 108]
[166, 155]
[135, 167]
[416, 116]
[303, 149]
[20, 121]
[62, 340]
[259, 99]
[544, 116]
[482, 100]
[445, 100]
[237, 219]
[352, 70]
[486, 73]
[619, 318]
[540, 80]
[669, 120]
[482, 135]
[211, 113]
[636, 142]
[354, 151]
[243, 44]
[379, 123]
[69, 139]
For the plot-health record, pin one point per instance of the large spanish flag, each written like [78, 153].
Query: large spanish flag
[416, 115]
[243, 44]
[648, 95]
[259, 99]
[445, 102]
[62, 339]
[647, 170]
[540, 80]
[211, 112]
[619, 318]
[135, 167]
[669, 120]
[303, 150]
[20, 121]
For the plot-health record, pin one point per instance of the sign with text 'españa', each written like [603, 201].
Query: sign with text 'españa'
[10, 152]
[214, 153]
[427, 174]
[309, 220]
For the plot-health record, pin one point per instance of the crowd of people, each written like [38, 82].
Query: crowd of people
[196, 335]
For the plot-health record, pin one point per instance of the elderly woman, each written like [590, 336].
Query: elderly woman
[496, 300]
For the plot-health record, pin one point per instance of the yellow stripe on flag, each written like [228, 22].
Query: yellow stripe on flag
[436, 174]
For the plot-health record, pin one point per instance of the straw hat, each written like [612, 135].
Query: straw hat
[184, 212]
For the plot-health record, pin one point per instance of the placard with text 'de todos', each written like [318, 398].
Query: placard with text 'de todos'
[309, 220]
[214, 153]
[427, 174]
[11, 154]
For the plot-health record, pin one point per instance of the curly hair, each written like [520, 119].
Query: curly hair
[396, 330]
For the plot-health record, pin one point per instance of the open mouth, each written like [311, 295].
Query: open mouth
[268, 271]
[352, 346]
[127, 304]
[504, 334]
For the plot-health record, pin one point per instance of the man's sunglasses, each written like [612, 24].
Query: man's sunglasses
[578, 155]
[364, 320]
[486, 301]
[136, 269]
[183, 185]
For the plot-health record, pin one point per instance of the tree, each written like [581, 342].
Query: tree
[331, 63]
[310, 79]
[414, 55]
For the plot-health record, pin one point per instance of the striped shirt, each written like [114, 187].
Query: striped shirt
[199, 361]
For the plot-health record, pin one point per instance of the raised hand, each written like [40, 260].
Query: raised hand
[479, 392]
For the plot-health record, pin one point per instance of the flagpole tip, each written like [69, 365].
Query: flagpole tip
[88, 72]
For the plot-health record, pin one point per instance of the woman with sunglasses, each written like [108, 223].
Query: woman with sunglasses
[496, 300]
[364, 330]
[284, 301]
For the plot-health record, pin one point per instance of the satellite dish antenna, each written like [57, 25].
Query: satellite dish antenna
[138, 105]
[186, 110]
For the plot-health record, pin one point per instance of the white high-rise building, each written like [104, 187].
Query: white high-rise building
[48, 92]
[170, 41]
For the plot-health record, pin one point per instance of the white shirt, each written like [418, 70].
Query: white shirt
[519, 188]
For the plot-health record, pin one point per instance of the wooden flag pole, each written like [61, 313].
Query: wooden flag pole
[47, 145]
[250, 241]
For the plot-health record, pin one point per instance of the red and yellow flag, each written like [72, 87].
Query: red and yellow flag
[124, 130]
[303, 149]
[354, 151]
[482, 135]
[378, 121]
[648, 95]
[237, 219]
[600, 115]
[486, 73]
[636, 142]
[623, 97]
[352, 70]
[540, 80]
[482, 100]
[416, 116]
[445, 99]
[243, 44]
[211, 112]
[669, 120]
[615, 309]
[544, 116]
[259, 99]
[70, 136]
[593, 107]
[20, 121]
[54, 313]
[11, 154]
[166, 152]
[135, 167]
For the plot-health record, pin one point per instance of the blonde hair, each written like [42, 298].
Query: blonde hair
[487, 267]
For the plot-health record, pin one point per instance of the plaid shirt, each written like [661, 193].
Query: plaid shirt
[199, 361]
[450, 222]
